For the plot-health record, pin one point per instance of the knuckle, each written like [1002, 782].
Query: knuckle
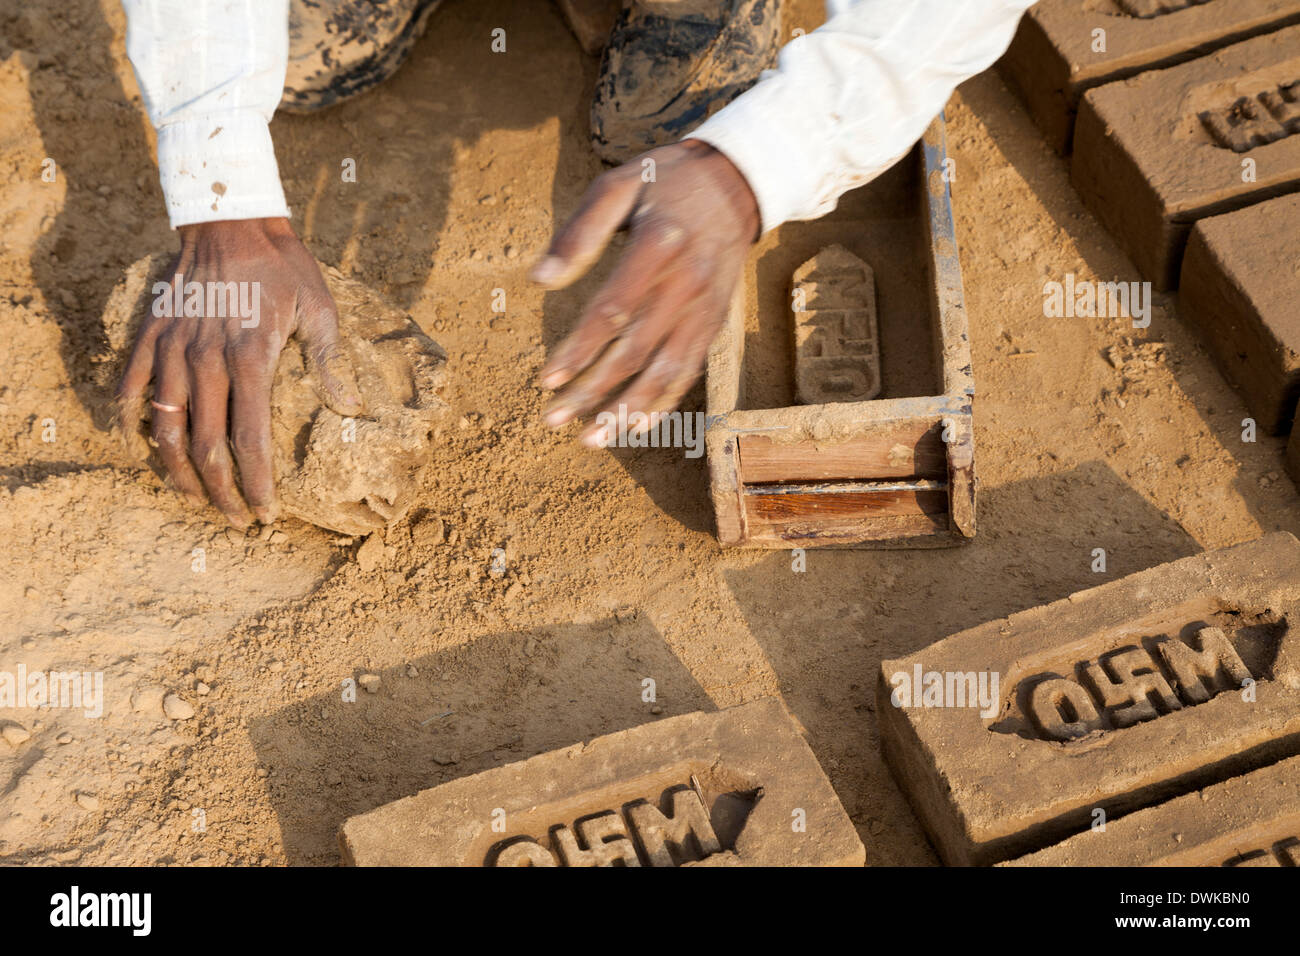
[209, 457]
[201, 456]
[250, 443]
[604, 189]
[169, 437]
[610, 309]
[170, 344]
[199, 353]
[245, 354]
[624, 359]
[151, 327]
[329, 355]
[659, 231]
[662, 370]
[319, 302]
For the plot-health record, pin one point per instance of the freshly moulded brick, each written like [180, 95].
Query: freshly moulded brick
[1055, 57]
[738, 787]
[1115, 698]
[1155, 153]
[1251, 820]
[1241, 288]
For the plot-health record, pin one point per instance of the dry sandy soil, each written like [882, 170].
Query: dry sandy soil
[1090, 434]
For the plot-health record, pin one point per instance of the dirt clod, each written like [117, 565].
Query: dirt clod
[177, 708]
[353, 475]
[15, 734]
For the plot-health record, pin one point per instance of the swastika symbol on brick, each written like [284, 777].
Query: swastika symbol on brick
[1256, 120]
[1149, 9]
[612, 839]
[1134, 684]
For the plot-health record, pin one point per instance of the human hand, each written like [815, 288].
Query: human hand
[650, 325]
[213, 374]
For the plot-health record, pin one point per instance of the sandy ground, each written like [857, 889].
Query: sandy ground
[1090, 434]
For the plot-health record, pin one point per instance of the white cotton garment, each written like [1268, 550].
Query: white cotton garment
[845, 102]
[849, 99]
[211, 73]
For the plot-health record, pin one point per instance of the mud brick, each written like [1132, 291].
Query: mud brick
[1158, 152]
[836, 338]
[1051, 62]
[1240, 287]
[738, 787]
[1251, 820]
[1116, 698]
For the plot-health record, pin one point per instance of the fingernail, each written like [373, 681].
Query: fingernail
[553, 380]
[558, 416]
[548, 269]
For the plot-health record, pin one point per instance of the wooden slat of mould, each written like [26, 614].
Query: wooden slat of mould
[910, 449]
[845, 500]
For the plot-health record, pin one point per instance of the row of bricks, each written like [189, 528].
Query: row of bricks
[1185, 677]
[1064, 48]
[1156, 146]
[1165, 706]
[1186, 121]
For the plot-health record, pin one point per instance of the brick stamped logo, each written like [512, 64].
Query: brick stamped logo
[1139, 682]
[642, 834]
[1251, 121]
[1150, 9]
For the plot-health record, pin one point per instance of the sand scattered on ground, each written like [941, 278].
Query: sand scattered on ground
[1090, 434]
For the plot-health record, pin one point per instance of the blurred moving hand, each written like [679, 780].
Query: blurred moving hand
[643, 339]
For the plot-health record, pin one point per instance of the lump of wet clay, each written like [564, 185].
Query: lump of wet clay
[836, 344]
[353, 475]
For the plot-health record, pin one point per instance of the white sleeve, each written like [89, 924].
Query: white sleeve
[211, 73]
[849, 99]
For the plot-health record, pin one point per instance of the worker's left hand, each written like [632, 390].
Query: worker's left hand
[643, 338]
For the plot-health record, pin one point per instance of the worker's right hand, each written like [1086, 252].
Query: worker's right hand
[212, 391]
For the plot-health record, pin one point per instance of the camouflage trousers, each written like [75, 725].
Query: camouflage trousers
[669, 65]
[339, 48]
